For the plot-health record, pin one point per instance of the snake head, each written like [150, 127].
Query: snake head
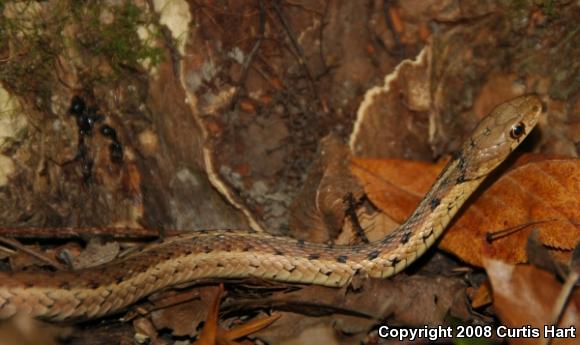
[499, 134]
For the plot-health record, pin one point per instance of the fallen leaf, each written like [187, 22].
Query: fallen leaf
[524, 297]
[413, 301]
[395, 185]
[481, 296]
[182, 312]
[542, 193]
[96, 253]
[213, 334]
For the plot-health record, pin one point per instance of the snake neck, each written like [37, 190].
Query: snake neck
[426, 224]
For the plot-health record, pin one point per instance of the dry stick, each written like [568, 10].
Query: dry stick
[562, 301]
[321, 40]
[322, 15]
[16, 245]
[492, 236]
[399, 47]
[83, 232]
[299, 52]
[351, 206]
[250, 57]
[566, 291]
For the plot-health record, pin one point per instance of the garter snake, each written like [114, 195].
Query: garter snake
[222, 254]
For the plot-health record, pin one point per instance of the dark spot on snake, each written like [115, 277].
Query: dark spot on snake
[277, 252]
[373, 255]
[461, 178]
[248, 247]
[203, 232]
[292, 269]
[342, 259]
[253, 265]
[300, 243]
[457, 155]
[462, 164]
[405, 237]
[28, 284]
[435, 299]
[434, 203]
[92, 284]
[313, 256]
[119, 279]
[64, 285]
[327, 273]
[427, 235]
[395, 261]
[206, 249]
[220, 265]
[450, 206]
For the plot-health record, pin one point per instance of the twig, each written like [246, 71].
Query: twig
[250, 57]
[565, 293]
[399, 47]
[84, 232]
[16, 245]
[492, 236]
[299, 52]
[351, 206]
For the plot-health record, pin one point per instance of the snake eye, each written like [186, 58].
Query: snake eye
[518, 130]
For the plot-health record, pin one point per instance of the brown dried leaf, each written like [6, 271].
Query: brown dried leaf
[395, 185]
[96, 253]
[414, 301]
[541, 194]
[183, 317]
[214, 334]
[525, 295]
[481, 296]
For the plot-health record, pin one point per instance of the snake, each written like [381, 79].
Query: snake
[99, 291]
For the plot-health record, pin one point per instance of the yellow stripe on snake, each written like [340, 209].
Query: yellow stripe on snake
[223, 254]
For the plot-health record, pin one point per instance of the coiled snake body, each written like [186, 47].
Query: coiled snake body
[106, 289]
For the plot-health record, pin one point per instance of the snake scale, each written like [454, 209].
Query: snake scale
[222, 254]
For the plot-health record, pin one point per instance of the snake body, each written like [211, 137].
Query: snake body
[222, 254]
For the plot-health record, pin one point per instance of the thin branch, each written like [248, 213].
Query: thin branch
[298, 51]
[251, 55]
[16, 245]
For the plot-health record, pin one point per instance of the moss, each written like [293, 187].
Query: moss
[29, 49]
[33, 35]
[548, 7]
[118, 41]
